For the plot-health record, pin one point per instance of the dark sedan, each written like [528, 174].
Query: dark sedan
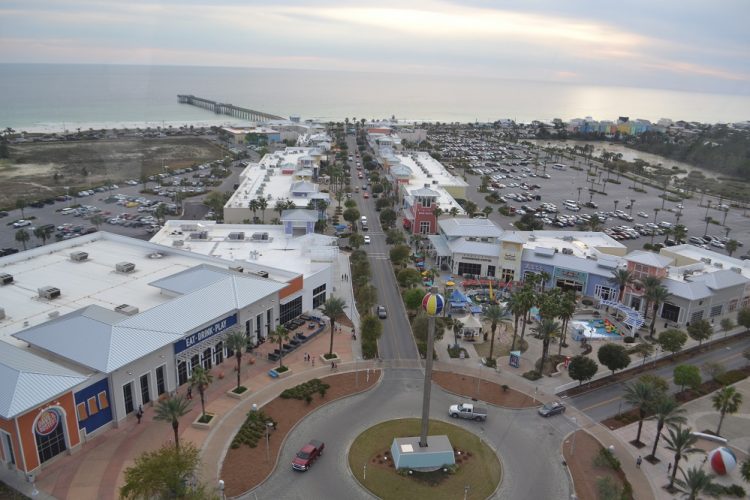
[553, 408]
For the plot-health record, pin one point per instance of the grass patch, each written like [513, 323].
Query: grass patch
[482, 474]
[239, 390]
[8, 493]
[501, 348]
[281, 369]
[204, 419]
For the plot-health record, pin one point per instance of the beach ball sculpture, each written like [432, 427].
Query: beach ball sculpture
[433, 304]
[723, 460]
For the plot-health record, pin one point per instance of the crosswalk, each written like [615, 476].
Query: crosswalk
[378, 256]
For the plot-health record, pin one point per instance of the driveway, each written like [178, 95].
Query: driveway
[524, 443]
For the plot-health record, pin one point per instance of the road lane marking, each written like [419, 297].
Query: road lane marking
[601, 403]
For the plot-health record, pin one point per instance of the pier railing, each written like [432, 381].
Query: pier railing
[227, 109]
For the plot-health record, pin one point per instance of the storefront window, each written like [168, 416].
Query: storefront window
[290, 310]
[469, 268]
[508, 275]
[605, 292]
[50, 435]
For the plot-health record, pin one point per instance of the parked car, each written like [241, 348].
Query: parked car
[21, 223]
[305, 457]
[469, 411]
[552, 409]
[367, 240]
[382, 313]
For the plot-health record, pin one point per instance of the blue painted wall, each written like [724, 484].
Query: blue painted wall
[595, 279]
[102, 415]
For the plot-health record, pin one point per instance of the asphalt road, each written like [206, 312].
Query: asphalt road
[607, 401]
[397, 341]
[527, 445]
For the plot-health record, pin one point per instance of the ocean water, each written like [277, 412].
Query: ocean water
[37, 97]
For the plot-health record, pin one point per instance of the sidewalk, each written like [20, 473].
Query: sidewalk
[97, 469]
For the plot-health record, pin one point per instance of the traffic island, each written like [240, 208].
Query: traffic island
[240, 392]
[371, 461]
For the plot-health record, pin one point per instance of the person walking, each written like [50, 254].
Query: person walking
[190, 392]
[638, 462]
[139, 413]
[669, 468]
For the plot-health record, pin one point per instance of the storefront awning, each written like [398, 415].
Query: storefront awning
[440, 246]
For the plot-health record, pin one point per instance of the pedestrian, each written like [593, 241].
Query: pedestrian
[190, 392]
[638, 462]
[139, 413]
[669, 468]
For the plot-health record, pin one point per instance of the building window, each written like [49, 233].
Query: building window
[81, 409]
[145, 392]
[733, 305]
[424, 227]
[508, 275]
[605, 292]
[127, 393]
[716, 310]
[319, 296]
[160, 386]
[696, 316]
[469, 268]
[290, 310]
[670, 312]
[426, 202]
[182, 373]
[219, 353]
[491, 271]
[93, 408]
[103, 401]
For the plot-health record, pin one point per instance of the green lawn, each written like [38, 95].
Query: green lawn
[501, 348]
[482, 473]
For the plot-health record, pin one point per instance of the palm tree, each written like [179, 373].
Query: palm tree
[657, 296]
[565, 313]
[622, 278]
[731, 246]
[453, 211]
[43, 233]
[680, 441]
[727, 400]
[494, 314]
[171, 410]
[262, 206]
[236, 341]
[648, 283]
[595, 223]
[696, 481]
[641, 395]
[22, 236]
[280, 335]
[667, 412]
[21, 205]
[201, 379]
[253, 205]
[546, 330]
[527, 297]
[515, 305]
[333, 308]
[679, 232]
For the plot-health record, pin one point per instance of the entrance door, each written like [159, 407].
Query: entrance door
[8, 449]
[127, 393]
[207, 359]
[52, 444]
[160, 385]
[219, 353]
[182, 373]
[635, 303]
[145, 393]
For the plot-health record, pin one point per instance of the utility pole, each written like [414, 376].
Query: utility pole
[432, 304]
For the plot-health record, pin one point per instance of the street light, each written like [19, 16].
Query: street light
[269, 426]
[221, 489]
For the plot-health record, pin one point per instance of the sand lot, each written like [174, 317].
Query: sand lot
[30, 171]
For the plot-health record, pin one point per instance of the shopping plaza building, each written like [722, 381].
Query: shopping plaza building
[94, 327]
[702, 284]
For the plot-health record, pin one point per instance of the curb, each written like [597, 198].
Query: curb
[283, 441]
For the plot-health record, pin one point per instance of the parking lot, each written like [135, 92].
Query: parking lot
[631, 212]
[120, 209]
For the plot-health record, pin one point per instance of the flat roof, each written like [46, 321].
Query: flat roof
[280, 255]
[265, 179]
[94, 281]
[705, 261]
[467, 227]
[582, 244]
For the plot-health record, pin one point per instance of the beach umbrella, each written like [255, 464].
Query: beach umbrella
[450, 283]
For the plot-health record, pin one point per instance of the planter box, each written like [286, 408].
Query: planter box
[329, 361]
[282, 374]
[235, 395]
[208, 425]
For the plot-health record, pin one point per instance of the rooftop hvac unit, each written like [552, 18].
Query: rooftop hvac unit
[178, 243]
[54, 314]
[6, 279]
[719, 265]
[125, 267]
[199, 235]
[49, 292]
[262, 274]
[79, 256]
[705, 260]
[237, 269]
[188, 227]
[237, 236]
[2, 313]
[735, 269]
[567, 251]
[126, 309]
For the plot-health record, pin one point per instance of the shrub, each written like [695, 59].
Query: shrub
[329, 355]
[491, 363]
[532, 375]
[252, 429]
[629, 340]
[455, 352]
[731, 377]
[239, 390]
[735, 490]
[305, 389]
[281, 369]
[608, 488]
[505, 387]
[606, 459]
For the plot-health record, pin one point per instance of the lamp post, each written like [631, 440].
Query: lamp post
[632, 204]
[432, 304]
[221, 489]
[269, 425]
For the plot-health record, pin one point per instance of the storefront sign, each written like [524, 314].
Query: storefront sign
[510, 256]
[478, 258]
[204, 334]
[515, 359]
[567, 274]
[47, 422]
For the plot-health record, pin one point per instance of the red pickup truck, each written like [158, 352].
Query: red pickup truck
[307, 455]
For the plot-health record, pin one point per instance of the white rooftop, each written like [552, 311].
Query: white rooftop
[467, 227]
[582, 244]
[94, 281]
[426, 170]
[283, 257]
[698, 261]
[265, 179]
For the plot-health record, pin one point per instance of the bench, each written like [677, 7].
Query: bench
[273, 374]
[272, 356]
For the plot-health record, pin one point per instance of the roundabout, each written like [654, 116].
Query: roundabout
[526, 445]
[477, 467]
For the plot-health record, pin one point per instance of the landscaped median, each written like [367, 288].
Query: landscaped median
[248, 461]
[489, 392]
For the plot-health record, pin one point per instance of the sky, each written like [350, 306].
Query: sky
[680, 45]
